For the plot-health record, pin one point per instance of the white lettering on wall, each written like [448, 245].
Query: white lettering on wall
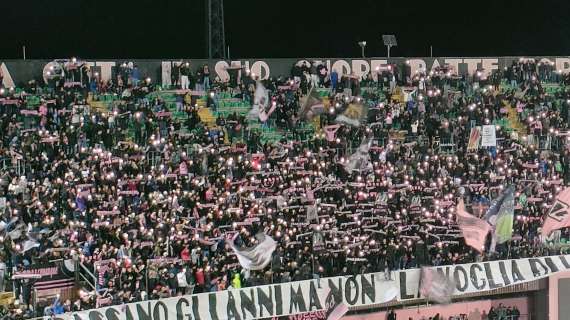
[417, 65]
[563, 65]
[375, 66]
[237, 63]
[472, 65]
[106, 69]
[546, 61]
[435, 65]
[261, 69]
[50, 68]
[454, 64]
[221, 71]
[360, 67]
[341, 67]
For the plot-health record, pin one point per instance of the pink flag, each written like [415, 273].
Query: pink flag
[436, 286]
[559, 215]
[474, 230]
[310, 194]
[183, 168]
[330, 132]
[334, 308]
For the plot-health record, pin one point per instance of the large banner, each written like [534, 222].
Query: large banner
[302, 297]
[252, 303]
[17, 72]
[485, 276]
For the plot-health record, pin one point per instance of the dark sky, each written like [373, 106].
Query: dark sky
[277, 28]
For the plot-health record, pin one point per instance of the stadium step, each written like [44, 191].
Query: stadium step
[514, 122]
[207, 117]
[201, 102]
[97, 105]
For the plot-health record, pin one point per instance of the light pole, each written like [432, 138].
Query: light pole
[362, 45]
[389, 41]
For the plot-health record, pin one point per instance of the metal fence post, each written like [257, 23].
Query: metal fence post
[146, 277]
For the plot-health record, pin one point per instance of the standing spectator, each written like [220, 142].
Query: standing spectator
[185, 73]
[516, 313]
[175, 73]
[135, 76]
[206, 76]
[334, 80]
[492, 314]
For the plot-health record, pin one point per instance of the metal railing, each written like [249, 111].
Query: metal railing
[19, 166]
[153, 158]
[483, 316]
[513, 289]
[83, 274]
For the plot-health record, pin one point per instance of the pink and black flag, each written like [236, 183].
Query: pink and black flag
[559, 215]
[436, 286]
[474, 230]
[335, 309]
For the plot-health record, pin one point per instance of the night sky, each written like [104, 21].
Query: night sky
[276, 28]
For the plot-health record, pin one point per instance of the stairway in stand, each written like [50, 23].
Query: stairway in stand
[514, 122]
[207, 117]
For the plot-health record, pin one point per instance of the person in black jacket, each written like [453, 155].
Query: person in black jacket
[175, 74]
[515, 313]
[492, 314]
[391, 315]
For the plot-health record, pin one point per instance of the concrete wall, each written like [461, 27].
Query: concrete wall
[17, 72]
[473, 309]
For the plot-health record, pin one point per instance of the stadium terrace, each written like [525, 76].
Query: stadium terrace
[196, 189]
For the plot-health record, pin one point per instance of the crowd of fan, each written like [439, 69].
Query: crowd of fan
[149, 214]
[502, 312]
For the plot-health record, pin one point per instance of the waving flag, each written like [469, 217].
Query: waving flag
[354, 114]
[335, 309]
[257, 257]
[435, 286]
[260, 101]
[501, 215]
[474, 138]
[480, 207]
[505, 217]
[360, 160]
[264, 115]
[312, 106]
[30, 244]
[559, 215]
[474, 230]
[493, 212]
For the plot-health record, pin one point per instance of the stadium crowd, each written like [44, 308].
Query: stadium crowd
[145, 201]
[500, 313]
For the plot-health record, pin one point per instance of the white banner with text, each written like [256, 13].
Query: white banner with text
[305, 296]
